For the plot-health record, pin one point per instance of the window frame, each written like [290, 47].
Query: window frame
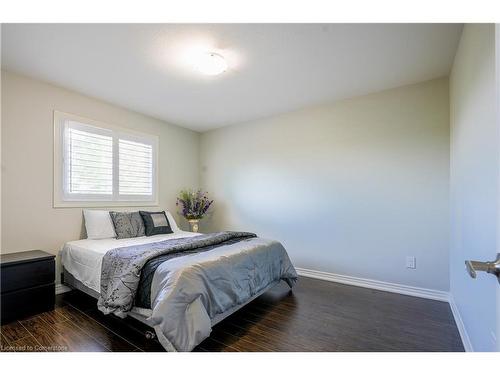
[61, 198]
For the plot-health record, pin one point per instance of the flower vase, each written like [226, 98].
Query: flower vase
[193, 223]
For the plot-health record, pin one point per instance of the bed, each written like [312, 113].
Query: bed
[179, 284]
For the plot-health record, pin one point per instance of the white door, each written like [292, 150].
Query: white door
[475, 188]
[497, 76]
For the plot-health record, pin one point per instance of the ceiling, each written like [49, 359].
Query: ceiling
[273, 68]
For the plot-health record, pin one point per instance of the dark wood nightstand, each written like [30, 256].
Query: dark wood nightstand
[27, 284]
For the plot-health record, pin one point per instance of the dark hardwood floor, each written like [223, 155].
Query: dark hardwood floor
[316, 316]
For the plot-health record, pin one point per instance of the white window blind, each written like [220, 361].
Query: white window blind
[106, 164]
[135, 168]
[89, 161]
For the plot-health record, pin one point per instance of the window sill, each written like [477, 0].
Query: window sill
[87, 204]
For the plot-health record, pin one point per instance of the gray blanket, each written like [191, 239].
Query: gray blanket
[121, 268]
[188, 292]
[143, 293]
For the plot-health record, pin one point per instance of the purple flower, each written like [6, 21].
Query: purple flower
[195, 204]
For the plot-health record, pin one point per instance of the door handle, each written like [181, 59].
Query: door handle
[474, 266]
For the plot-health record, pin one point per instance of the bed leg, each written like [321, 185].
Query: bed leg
[290, 283]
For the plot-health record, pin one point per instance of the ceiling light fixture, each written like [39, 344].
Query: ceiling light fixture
[211, 64]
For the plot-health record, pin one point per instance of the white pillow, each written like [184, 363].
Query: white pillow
[98, 224]
[172, 222]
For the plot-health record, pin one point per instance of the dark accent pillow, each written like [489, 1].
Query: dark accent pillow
[156, 223]
[127, 224]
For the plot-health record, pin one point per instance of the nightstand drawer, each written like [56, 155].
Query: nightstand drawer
[25, 302]
[27, 275]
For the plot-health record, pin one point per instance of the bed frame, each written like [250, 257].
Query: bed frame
[69, 280]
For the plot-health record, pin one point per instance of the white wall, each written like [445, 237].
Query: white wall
[474, 180]
[350, 188]
[30, 221]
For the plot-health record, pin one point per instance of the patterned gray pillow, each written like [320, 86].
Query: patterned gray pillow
[127, 224]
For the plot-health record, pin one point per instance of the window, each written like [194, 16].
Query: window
[87, 162]
[99, 164]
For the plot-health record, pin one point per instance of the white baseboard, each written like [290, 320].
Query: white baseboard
[60, 288]
[396, 288]
[460, 325]
[375, 284]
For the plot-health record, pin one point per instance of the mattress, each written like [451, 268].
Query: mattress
[83, 258]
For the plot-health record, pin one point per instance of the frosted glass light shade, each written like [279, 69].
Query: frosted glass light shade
[211, 64]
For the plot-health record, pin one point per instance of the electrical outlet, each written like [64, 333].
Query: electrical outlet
[411, 262]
